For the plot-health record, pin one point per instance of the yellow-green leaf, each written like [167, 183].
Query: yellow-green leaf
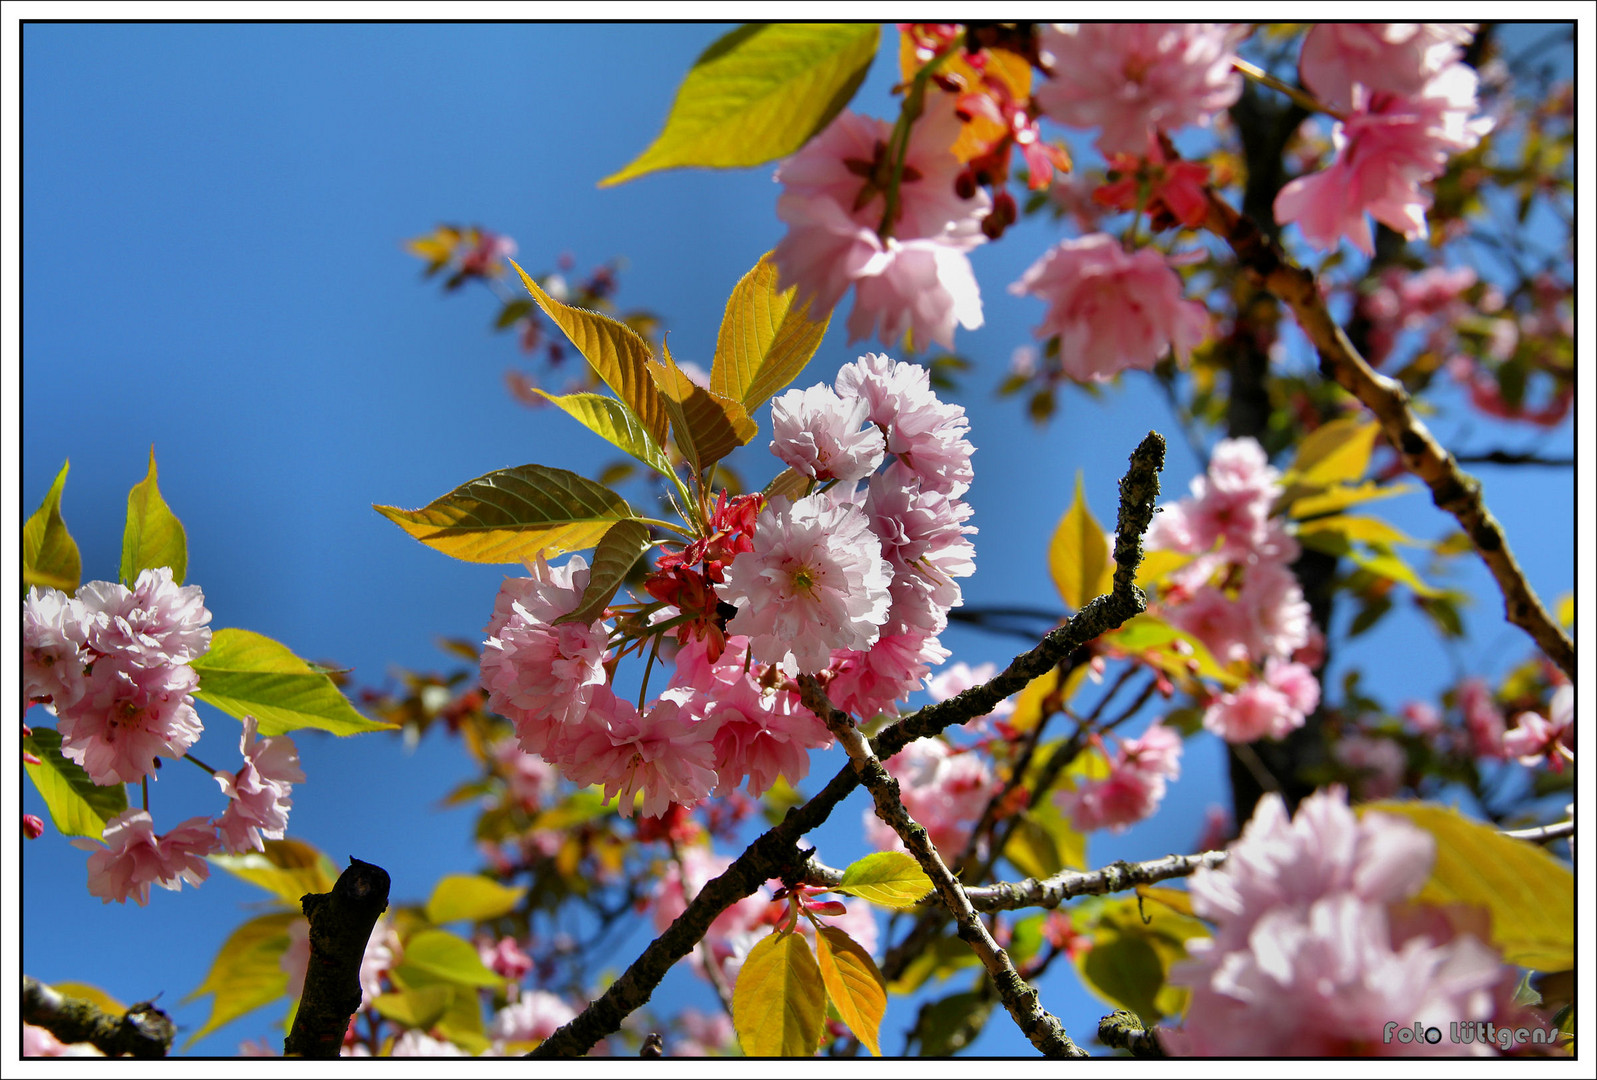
[1529, 893]
[288, 869]
[1129, 962]
[420, 1008]
[78, 806]
[1387, 564]
[83, 991]
[1157, 641]
[435, 956]
[471, 896]
[1157, 565]
[1369, 530]
[757, 94]
[614, 422]
[247, 972]
[1031, 702]
[613, 558]
[1078, 554]
[49, 554]
[1315, 501]
[246, 673]
[706, 426]
[1566, 610]
[1336, 452]
[942, 957]
[1044, 843]
[889, 878]
[514, 516]
[614, 350]
[765, 339]
[153, 536]
[853, 983]
[779, 1002]
[789, 483]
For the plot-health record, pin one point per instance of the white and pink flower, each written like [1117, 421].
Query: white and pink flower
[259, 794]
[133, 858]
[1134, 787]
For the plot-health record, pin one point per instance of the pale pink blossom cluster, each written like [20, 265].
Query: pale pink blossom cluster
[259, 793]
[113, 664]
[1238, 594]
[531, 1018]
[1318, 947]
[1111, 309]
[916, 279]
[1131, 80]
[944, 789]
[1407, 104]
[1536, 739]
[132, 857]
[1134, 787]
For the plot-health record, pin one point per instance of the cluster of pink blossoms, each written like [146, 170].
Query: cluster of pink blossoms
[1238, 594]
[1407, 103]
[1318, 948]
[1134, 787]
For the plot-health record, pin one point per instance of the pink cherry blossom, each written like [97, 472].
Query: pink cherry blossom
[1536, 738]
[127, 715]
[959, 677]
[54, 630]
[1482, 719]
[814, 582]
[945, 791]
[259, 793]
[37, 1042]
[504, 957]
[819, 434]
[156, 623]
[922, 532]
[1134, 787]
[1377, 763]
[915, 291]
[926, 435]
[1260, 709]
[666, 755]
[1130, 79]
[531, 1018]
[133, 857]
[1390, 58]
[869, 682]
[1111, 310]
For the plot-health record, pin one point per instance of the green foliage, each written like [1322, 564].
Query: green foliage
[779, 1001]
[705, 425]
[1134, 945]
[615, 423]
[758, 94]
[49, 554]
[247, 972]
[78, 806]
[153, 536]
[890, 878]
[765, 340]
[471, 896]
[246, 673]
[946, 1026]
[437, 956]
[1078, 554]
[622, 545]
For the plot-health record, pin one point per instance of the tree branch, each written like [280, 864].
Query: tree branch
[142, 1032]
[1452, 489]
[1123, 1030]
[341, 924]
[1020, 998]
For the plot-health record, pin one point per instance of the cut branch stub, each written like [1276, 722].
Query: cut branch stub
[341, 923]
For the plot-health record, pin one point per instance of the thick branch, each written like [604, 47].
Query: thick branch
[142, 1032]
[1039, 1025]
[1452, 489]
[341, 924]
[1124, 1030]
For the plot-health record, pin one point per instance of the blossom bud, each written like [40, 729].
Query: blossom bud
[32, 826]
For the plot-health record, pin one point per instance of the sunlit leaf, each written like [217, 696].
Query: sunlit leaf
[948, 1025]
[942, 957]
[1330, 501]
[853, 983]
[1175, 651]
[789, 483]
[246, 673]
[514, 516]
[765, 339]
[706, 426]
[420, 1008]
[288, 869]
[1157, 565]
[614, 422]
[1529, 893]
[779, 1001]
[1044, 843]
[153, 536]
[758, 94]
[1130, 959]
[1370, 530]
[100, 999]
[49, 554]
[435, 956]
[471, 896]
[247, 972]
[889, 878]
[613, 557]
[78, 806]
[1335, 452]
[614, 350]
[1078, 554]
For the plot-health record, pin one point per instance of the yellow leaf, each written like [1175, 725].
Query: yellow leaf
[288, 869]
[1030, 702]
[1078, 554]
[1529, 893]
[1335, 452]
[1566, 610]
[978, 134]
[889, 878]
[614, 350]
[853, 983]
[707, 426]
[471, 896]
[765, 340]
[1177, 652]
[1311, 501]
[102, 1001]
[50, 557]
[779, 1002]
[1157, 565]
[1370, 530]
[247, 972]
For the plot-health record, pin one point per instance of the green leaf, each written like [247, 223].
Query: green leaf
[78, 806]
[435, 956]
[614, 350]
[246, 673]
[420, 1008]
[1078, 554]
[512, 313]
[247, 972]
[1156, 640]
[789, 484]
[765, 340]
[514, 516]
[1380, 562]
[288, 869]
[759, 93]
[707, 426]
[889, 878]
[1335, 452]
[617, 551]
[461, 1023]
[471, 896]
[153, 536]
[1044, 843]
[944, 956]
[615, 423]
[1129, 962]
[853, 983]
[947, 1026]
[779, 1001]
[49, 554]
[1529, 893]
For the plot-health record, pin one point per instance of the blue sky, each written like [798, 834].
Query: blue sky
[211, 242]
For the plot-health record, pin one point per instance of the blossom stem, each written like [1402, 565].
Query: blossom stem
[1299, 97]
[672, 526]
[201, 764]
[908, 113]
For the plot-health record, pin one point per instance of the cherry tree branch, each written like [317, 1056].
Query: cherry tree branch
[1123, 1030]
[1018, 996]
[341, 924]
[142, 1032]
[775, 853]
[1452, 489]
